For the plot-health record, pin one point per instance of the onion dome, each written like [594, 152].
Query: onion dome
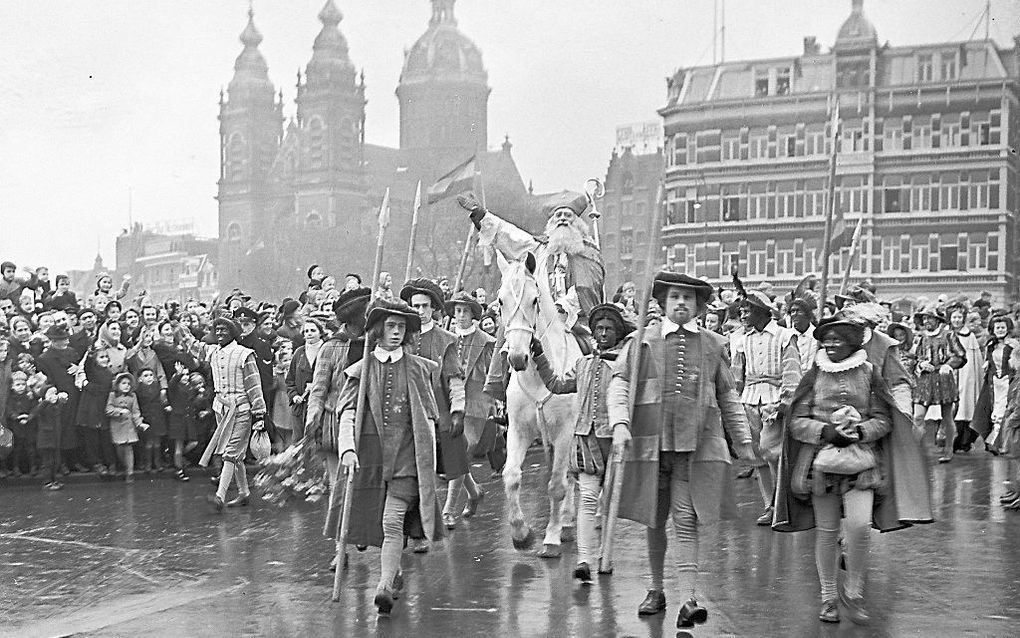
[331, 59]
[251, 74]
[857, 31]
[443, 52]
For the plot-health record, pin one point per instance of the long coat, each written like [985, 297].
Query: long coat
[54, 364]
[718, 407]
[328, 381]
[369, 489]
[439, 346]
[903, 501]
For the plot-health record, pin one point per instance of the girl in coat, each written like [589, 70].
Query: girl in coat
[125, 420]
[181, 427]
[968, 378]
[151, 403]
[20, 417]
[48, 429]
[842, 408]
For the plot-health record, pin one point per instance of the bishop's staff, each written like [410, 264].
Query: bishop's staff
[618, 460]
[359, 415]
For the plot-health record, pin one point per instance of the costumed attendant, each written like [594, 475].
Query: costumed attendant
[802, 318]
[440, 347]
[238, 404]
[999, 374]
[968, 378]
[473, 350]
[938, 353]
[676, 463]
[766, 368]
[593, 433]
[846, 442]
[394, 453]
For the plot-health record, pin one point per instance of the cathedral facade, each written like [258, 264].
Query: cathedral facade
[307, 189]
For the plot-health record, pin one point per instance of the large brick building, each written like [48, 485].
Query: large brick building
[927, 157]
[307, 190]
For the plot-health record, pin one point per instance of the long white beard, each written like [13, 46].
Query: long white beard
[565, 239]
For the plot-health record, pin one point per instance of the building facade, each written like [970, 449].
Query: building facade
[926, 159]
[308, 190]
[167, 266]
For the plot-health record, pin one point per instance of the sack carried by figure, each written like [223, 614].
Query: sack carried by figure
[260, 445]
[852, 459]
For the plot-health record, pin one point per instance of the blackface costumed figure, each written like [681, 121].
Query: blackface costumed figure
[393, 456]
[568, 251]
[593, 433]
[238, 405]
[677, 459]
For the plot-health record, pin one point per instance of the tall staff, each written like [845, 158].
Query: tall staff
[855, 245]
[831, 208]
[618, 460]
[472, 233]
[414, 232]
[359, 414]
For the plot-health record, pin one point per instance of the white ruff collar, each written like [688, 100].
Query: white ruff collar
[855, 360]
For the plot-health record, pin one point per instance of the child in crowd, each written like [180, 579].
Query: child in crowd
[20, 418]
[282, 413]
[125, 419]
[201, 407]
[152, 404]
[96, 381]
[181, 427]
[47, 441]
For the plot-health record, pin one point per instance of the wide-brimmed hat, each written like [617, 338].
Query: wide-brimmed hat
[850, 330]
[125, 375]
[382, 308]
[665, 279]
[931, 311]
[423, 286]
[612, 312]
[902, 326]
[57, 331]
[351, 303]
[464, 299]
[758, 299]
[235, 330]
[857, 294]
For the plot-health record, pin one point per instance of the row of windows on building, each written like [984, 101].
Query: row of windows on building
[920, 192]
[890, 254]
[910, 132]
[236, 151]
[312, 220]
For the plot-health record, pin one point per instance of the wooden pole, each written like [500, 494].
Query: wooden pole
[359, 415]
[831, 205]
[855, 245]
[414, 233]
[618, 460]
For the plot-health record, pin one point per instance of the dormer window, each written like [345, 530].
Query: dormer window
[948, 65]
[783, 81]
[925, 68]
[761, 83]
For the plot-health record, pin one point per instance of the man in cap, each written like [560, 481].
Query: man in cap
[395, 448]
[440, 347]
[593, 433]
[238, 403]
[802, 318]
[249, 322]
[473, 350]
[677, 458]
[766, 368]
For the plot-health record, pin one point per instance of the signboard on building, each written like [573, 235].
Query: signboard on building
[172, 227]
[642, 137]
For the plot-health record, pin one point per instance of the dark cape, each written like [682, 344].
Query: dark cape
[906, 497]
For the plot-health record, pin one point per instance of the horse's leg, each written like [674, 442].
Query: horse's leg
[558, 483]
[519, 436]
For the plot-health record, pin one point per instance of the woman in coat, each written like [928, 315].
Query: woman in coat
[999, 374]
[846, 443]
[301, 371]
[968, 378]
[108, 340]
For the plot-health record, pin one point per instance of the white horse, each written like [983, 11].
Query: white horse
[527, 310]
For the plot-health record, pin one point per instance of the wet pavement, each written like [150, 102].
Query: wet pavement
[152, 559]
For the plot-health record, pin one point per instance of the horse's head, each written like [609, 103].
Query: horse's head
[519, 307]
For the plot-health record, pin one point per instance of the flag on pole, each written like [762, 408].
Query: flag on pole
[455, 182]
[417, 200]
[384, 210]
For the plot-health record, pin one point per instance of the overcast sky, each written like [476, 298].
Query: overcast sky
[100, 97]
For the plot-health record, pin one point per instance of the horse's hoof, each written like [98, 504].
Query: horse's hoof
[550, 551]
[526, 542]
[567, 535]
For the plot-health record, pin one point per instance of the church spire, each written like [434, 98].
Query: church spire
[442, 13]
[250, 37]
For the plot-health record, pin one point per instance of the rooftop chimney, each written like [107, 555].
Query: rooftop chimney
[811, 46]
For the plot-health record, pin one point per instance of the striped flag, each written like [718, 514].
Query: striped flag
[455, 182]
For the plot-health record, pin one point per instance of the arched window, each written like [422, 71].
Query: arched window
[316, 142]
[313, 220]
[233, 231]
[236, 151]
[628, 184]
